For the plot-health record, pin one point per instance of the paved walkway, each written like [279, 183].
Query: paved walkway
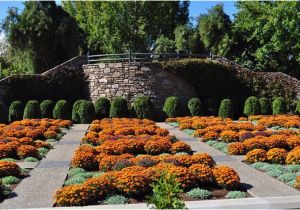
[258, 183]
[48, 176]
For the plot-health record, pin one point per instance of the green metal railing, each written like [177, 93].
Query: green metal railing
[140, 57]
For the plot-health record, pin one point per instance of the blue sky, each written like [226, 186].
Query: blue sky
[196, 7]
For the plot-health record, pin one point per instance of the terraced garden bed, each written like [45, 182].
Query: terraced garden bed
[22, 141]
[270, 143]
[120, 159]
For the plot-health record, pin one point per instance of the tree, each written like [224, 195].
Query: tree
[266, 36]
[164, 45]
[113, 27]
[44, 33]
[213, 28]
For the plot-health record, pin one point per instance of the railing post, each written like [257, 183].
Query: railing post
[129, 56]
[210, 55]
[87, 56]
[178, 54]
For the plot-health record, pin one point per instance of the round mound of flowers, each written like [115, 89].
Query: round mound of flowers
[9, 169]
[256, 155]
[276, 155]
[226, 177]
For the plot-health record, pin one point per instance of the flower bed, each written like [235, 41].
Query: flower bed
[272, 141]
[26, 140]
[119, 159]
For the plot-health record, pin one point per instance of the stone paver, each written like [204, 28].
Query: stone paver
[257, 183]
[36, 191]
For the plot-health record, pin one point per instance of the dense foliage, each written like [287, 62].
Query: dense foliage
[62, 110]
[172, 107]
[252, 106]
[32, 110]
[143, 107]
[46, 107]
[16, 110]
[195, 107]
[86, 112]
[102, 106]
[118, 108]
[226, 109]
[279, 106]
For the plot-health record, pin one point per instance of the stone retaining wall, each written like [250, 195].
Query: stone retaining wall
[129, 80]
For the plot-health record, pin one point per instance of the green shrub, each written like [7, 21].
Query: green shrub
[275, 173]
[43, 151]
[279, 106]
[62, 110]
[251, 106]
[195, 107]
[143, 107]
[86, 112]
[118, 108]
[226, 109]
[102, 106]
[116, 200]
[172, 107]
[265, 106]
[74, 171]
[166, 193]
[32, 110]
[47, 109]
[31, 159]
[75, 108]
[199, 193]
[236, 194]
[297, 110]
[9, 159]
[15, 112]
[77, 179]
[9, 180]
[287, 177]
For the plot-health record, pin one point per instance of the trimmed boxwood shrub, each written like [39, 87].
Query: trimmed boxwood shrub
[86, 112]
[32, 110]
[102, 106]
[297, 110]
[279, 106]
[75, 108]
[47, 108]
[226, 109]
[195, 107]
[172, 107]
[265, 106]
[16, 110]
[143, 107]
[62, 110]
[251, 106]
[118, 108]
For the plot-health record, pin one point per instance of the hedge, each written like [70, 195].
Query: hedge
[226, 109]
[86, 112]
[47, 108]
[143, 107]
[279, 106]
[16, 111]
[195, 107]
[62, 110]
[251, 106]
[102, 106]
[172, 107]
[118, 108]
[265, 106]
[32, 110]
[75, 108]
[3, 113]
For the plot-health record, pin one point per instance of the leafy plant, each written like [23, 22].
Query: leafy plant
[166, 193]
[279, 106]
[9, 180]
[236, 194]
[251, 106]
[31, 159]
[102, 106]
[195, 107]
[172, 107]
[116, 200]
[226, 109]
[297, 110]
[199, 193]
[75, 108]
[143, 107]
[46, 107]
[62, 110]
[265, 106]
[86, 112]
[118, 108]
[16, 110]
[32, 110]
[74, 171]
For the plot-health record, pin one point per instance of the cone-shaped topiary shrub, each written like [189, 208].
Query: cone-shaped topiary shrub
[118, 108]
[86, 112]
[75, 108]
[16, 110]
[251, 106]
[143, 107]
[265, 106]
[102, 106]
[172, 107]
[3, 113]
[32, 110]
[297, 110]
[62, 110]
[47, 108]
[195, 107]
[279, 106]
[226, 109]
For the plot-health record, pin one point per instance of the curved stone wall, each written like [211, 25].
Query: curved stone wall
[129, 80]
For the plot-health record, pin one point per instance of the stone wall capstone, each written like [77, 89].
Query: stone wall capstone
[129, 80]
